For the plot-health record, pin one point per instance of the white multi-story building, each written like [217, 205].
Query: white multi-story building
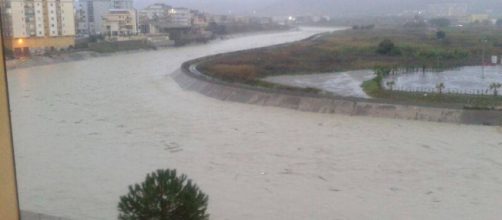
[90, 16]
[122, 4]
[91, 13]
[120, 22]
[35, 26]
[157, 10]
[447, 10]
[181, 17]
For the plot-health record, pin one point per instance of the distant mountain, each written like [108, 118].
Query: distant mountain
[368, 7]
[324, 7]
[213, 6]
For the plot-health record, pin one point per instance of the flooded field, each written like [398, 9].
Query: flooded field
[470, 80]
[86, 130]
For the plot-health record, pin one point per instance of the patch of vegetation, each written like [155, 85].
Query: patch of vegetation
[440, 35]
[387, 47]
[112, 47]
[390, 50]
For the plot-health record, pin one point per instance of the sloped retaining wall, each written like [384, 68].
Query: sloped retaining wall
[26, 215]
[190, 79]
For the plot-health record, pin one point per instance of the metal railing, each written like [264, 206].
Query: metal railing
[466, 92]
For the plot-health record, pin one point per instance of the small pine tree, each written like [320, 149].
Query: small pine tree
[164, 196]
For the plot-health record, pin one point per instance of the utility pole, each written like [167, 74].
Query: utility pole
[9, 203]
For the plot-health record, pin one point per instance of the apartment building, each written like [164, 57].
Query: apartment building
[157, 10]
[90, 16]
[181, 17]
[448, 10]
[120, 22]
[122, 4]
[36, 26]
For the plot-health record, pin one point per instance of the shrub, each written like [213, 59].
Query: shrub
[164, 196]
[387, 47]
[440, 35]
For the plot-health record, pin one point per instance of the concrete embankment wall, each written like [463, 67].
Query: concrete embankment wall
[25, 215]
[190, 79]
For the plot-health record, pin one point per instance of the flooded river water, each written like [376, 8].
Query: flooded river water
[86, 130]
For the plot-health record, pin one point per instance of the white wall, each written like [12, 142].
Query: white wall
[18, 19]
[67, 18]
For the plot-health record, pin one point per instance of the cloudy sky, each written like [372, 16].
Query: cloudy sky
[328, 7]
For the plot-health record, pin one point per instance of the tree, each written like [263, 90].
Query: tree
[440, 35]
[440, 87]
[382, 71]
[387, 47]
[495, 87]
[164, 196]
[440, 22]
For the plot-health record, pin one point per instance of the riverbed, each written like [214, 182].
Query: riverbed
[85, 130]
[344, 84]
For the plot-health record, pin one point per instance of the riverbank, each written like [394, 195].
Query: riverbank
[383, 50]
[27, 215]
[79, 55]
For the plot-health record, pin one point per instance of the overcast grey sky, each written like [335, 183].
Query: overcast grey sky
[328, 7]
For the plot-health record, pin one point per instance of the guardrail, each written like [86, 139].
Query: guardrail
[466, 92]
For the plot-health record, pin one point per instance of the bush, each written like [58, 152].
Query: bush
[440, 35]
[387, 47]
[164, 196]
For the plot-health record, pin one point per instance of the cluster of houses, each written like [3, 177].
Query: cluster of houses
[38, 26]
[457, 13]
